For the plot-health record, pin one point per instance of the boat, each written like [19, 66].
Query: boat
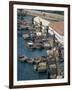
[53, 76]
[37, 60]
[26, 36]
[31, 45]
[42, 67]
[59, 77]
[31, 60]
[46, 45]
[23, 58]
[39, 46]
[44, 58]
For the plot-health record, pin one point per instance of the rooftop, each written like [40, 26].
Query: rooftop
[58, 27]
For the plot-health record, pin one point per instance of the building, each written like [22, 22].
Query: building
[38, 20]
[56, 28]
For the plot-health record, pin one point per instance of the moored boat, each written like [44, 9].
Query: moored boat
[23, 58]
[31, 60]
[42, 67]
[31, 45]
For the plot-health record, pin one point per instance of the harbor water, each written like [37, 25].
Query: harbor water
[26, 71]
